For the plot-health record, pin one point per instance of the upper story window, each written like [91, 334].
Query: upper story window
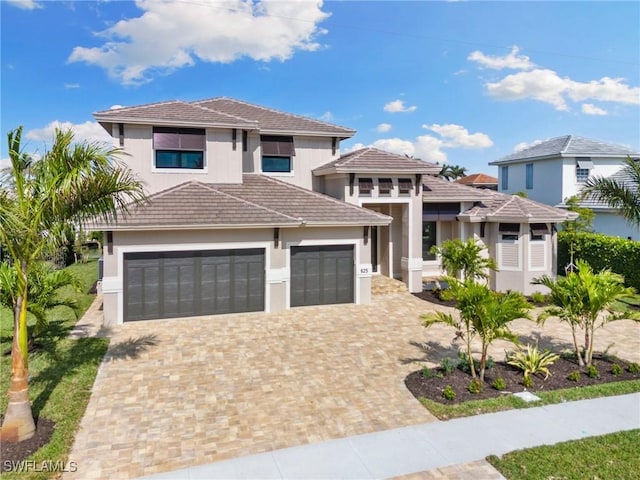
[504, 177]
[509, 231]
[404, 186]
[584, 165]
[385, 185]
[529, 176]
[277, 153]
[538, 231]
[365, 185]
[181, 148]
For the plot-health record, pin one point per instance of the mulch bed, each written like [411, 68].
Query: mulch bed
[433, 387]
[433, 296]
[11, 452]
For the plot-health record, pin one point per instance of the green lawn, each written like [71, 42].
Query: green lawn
[62, 372]
[613, 456]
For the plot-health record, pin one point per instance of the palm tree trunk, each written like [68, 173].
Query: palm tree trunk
[483, 361]
[18, 422]
[575, 346]
[587, 343]
[469, 353]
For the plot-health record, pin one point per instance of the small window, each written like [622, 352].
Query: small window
[483, 227]
[582, 174]
[179, 147]
[385, 185]
[276, 153]
[504, 178]
[276, 164]
[510, 237]
[509, 228]
[538, 231]
[428, 240]
[404, 186]
[529, 175]
[365, 185]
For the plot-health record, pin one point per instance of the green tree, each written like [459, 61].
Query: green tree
[482, 313]
[620, 195]
[586, 301]
[584, 222]
[452, 172]
[460, 257]
[71, 183]
[44, 284]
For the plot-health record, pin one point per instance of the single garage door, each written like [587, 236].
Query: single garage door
[321, 275]
[183, 284]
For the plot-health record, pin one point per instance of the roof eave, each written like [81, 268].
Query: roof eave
[343, 135]
[173, 122]
[115, 227]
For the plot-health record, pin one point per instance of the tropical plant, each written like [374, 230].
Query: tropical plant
[73, 182]
[584, 221]
[532, 361]
[483, 313]
[452, 172]
[460, 257]
[585, 300]
[621, 195]
[44, 284]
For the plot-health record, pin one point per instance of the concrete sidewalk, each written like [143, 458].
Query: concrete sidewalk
[424, 447]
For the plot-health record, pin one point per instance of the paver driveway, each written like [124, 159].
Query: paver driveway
[225, 386]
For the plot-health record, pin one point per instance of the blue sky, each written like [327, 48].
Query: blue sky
[457, 82]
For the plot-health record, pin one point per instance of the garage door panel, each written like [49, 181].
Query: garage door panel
[322, 275]
[178, 284]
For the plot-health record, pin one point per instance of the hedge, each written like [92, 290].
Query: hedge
[602, 251]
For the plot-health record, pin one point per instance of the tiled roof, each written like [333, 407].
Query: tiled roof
[173, 112]
[567, 146]
[622, 177]
[222, 112]
[374, 160]
[436, 189]
[297, 202]
[478, 179]
[271, 120]
[503, 207]
[258, 201]
[490, 205]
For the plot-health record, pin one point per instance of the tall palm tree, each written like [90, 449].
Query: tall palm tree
[71, 183]
[460, 257]
[622, 195]
[452, 172]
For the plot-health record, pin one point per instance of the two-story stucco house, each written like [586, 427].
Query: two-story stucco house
[554, 170]
[253, 209]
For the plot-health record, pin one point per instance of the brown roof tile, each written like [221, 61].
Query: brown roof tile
[478, 179]
[173, 112]
[436, 189]
[258, 201]
[371, 160]
[270, 120]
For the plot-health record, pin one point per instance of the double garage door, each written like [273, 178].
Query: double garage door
[184, 284]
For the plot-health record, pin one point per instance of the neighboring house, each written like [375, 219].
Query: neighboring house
[554, 170]
[479, 180]
[253, 209]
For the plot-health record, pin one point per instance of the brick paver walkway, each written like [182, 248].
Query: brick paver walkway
[177, 393]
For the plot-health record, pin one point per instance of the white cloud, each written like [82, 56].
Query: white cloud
[511, 60]
[456, 136]
[24, 4]
[523, 145]
[430, 148]
[546, 85]
[115, 107]
[4, 163]
[591, 109]
[397, 106]
[71, 85]
[383, 127]
[168, 36]
[90, 131]
[326, 117]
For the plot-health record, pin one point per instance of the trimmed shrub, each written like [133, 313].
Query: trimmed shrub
[601, 251]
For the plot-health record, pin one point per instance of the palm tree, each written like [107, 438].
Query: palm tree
[44, 284]
[587, 301]
[71, 183]
[483, 313]
[620, 195]
[459, 257]
[452, 172]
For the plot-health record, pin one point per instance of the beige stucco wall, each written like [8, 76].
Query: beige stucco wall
[222, 163]
[277, 265]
